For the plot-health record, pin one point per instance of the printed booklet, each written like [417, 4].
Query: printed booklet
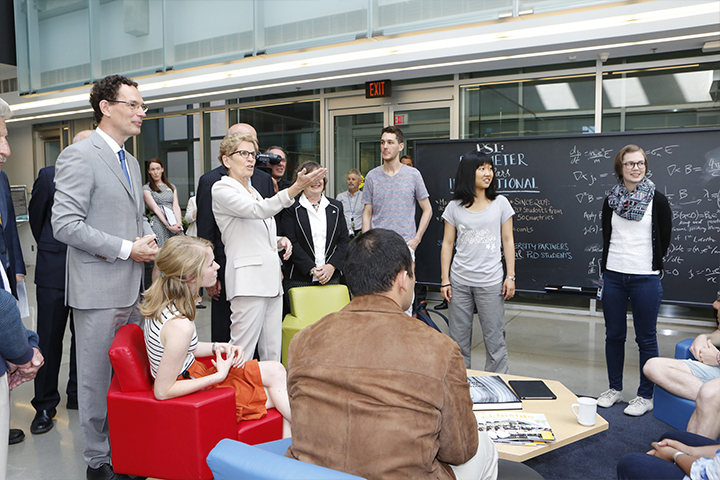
[515, 428]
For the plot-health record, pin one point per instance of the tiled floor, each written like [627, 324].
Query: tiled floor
[560, 346]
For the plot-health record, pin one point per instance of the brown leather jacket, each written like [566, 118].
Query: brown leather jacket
[379, 394]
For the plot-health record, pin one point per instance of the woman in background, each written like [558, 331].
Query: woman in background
[159, 193]
[191, 217]
[636, 225]
[245, 219]
[316, 227]
[481, 221]
[186, 264]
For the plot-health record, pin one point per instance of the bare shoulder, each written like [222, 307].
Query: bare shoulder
[180, 326]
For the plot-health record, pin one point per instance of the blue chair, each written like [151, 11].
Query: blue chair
[231, 460]
[669, 408]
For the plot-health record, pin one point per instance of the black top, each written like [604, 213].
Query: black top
[50, 265]
[295, 225]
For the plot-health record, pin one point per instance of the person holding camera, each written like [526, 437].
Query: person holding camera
[276, 159]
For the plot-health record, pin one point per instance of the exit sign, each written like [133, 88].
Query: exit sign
[400, 119]
[381, 88]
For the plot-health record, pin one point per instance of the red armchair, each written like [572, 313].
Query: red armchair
[170, 439]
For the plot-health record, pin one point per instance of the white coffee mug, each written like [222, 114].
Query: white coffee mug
[586, 410]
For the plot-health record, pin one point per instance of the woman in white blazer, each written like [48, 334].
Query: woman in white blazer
[252, 278]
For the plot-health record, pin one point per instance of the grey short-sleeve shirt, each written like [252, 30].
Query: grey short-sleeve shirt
[478, 261]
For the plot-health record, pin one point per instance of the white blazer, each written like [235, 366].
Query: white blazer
[247, 227]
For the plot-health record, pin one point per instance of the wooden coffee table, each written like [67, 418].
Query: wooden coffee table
[562, 420]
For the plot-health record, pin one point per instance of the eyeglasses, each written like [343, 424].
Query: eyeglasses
[244, 154]
[133, 105]
[632, 165]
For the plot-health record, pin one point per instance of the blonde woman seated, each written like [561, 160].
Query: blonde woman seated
[185, 264]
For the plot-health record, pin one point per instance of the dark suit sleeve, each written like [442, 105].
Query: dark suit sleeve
[664, 222]
[11, 233]
[40, 202]
[291, 229]
[262, 182]
[341, 239]
[205, 216]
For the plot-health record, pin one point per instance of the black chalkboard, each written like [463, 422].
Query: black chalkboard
[557, 186]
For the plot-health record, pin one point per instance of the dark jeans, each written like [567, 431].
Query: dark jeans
[645, 294]
[641, 466]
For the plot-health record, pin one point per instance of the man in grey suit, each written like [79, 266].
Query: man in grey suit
[98, 212]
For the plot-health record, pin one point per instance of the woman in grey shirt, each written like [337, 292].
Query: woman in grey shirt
[481, 221]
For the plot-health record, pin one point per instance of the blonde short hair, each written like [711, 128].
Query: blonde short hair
[230, 143]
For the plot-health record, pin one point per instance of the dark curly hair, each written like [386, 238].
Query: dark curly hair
[107, 89]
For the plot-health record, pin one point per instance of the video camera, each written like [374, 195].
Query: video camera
[265, 160]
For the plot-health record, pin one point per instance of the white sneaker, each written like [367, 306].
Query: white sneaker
[639, 406]
[610, 398]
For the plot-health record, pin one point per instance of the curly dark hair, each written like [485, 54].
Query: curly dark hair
[107, 89]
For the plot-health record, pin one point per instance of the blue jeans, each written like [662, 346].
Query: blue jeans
[645, 294]
[641, 466]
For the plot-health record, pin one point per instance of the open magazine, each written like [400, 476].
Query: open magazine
[515, 428]
[492, 393]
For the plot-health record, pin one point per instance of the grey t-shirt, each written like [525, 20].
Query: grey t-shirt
[477, 261]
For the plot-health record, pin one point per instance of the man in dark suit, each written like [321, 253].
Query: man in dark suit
[10, 252]
[11, 258]
[207, 228]
[52, 312]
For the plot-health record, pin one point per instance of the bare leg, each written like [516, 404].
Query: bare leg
[274, 380]
[674, 376]
[705, 421]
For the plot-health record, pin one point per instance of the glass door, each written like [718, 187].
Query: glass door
[356, 143]
[356, 134]
[422, 123]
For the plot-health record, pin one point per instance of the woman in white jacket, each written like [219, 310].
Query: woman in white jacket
[247, 226]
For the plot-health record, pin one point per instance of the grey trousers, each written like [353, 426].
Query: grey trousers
[491, 313]
[95, 330]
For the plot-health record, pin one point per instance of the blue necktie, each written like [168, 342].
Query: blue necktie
[123, 164]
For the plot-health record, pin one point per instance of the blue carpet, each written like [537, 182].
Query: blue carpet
[596, 457]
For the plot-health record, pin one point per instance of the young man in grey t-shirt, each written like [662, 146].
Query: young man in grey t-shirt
[391, 190]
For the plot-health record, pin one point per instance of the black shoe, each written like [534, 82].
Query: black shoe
[200, 305]
[442, 305]
[16, 436]
[104, 472]
[42, 422]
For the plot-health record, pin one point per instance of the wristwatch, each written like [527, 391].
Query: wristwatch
[511, 278]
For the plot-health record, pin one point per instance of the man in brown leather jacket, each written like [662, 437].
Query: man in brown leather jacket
[377, 393]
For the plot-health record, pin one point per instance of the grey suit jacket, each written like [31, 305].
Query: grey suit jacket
[94, 211]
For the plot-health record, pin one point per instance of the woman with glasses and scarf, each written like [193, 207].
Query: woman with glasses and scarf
[637, 225]
[247, 226]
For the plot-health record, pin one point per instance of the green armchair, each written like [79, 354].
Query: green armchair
[307, 306]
